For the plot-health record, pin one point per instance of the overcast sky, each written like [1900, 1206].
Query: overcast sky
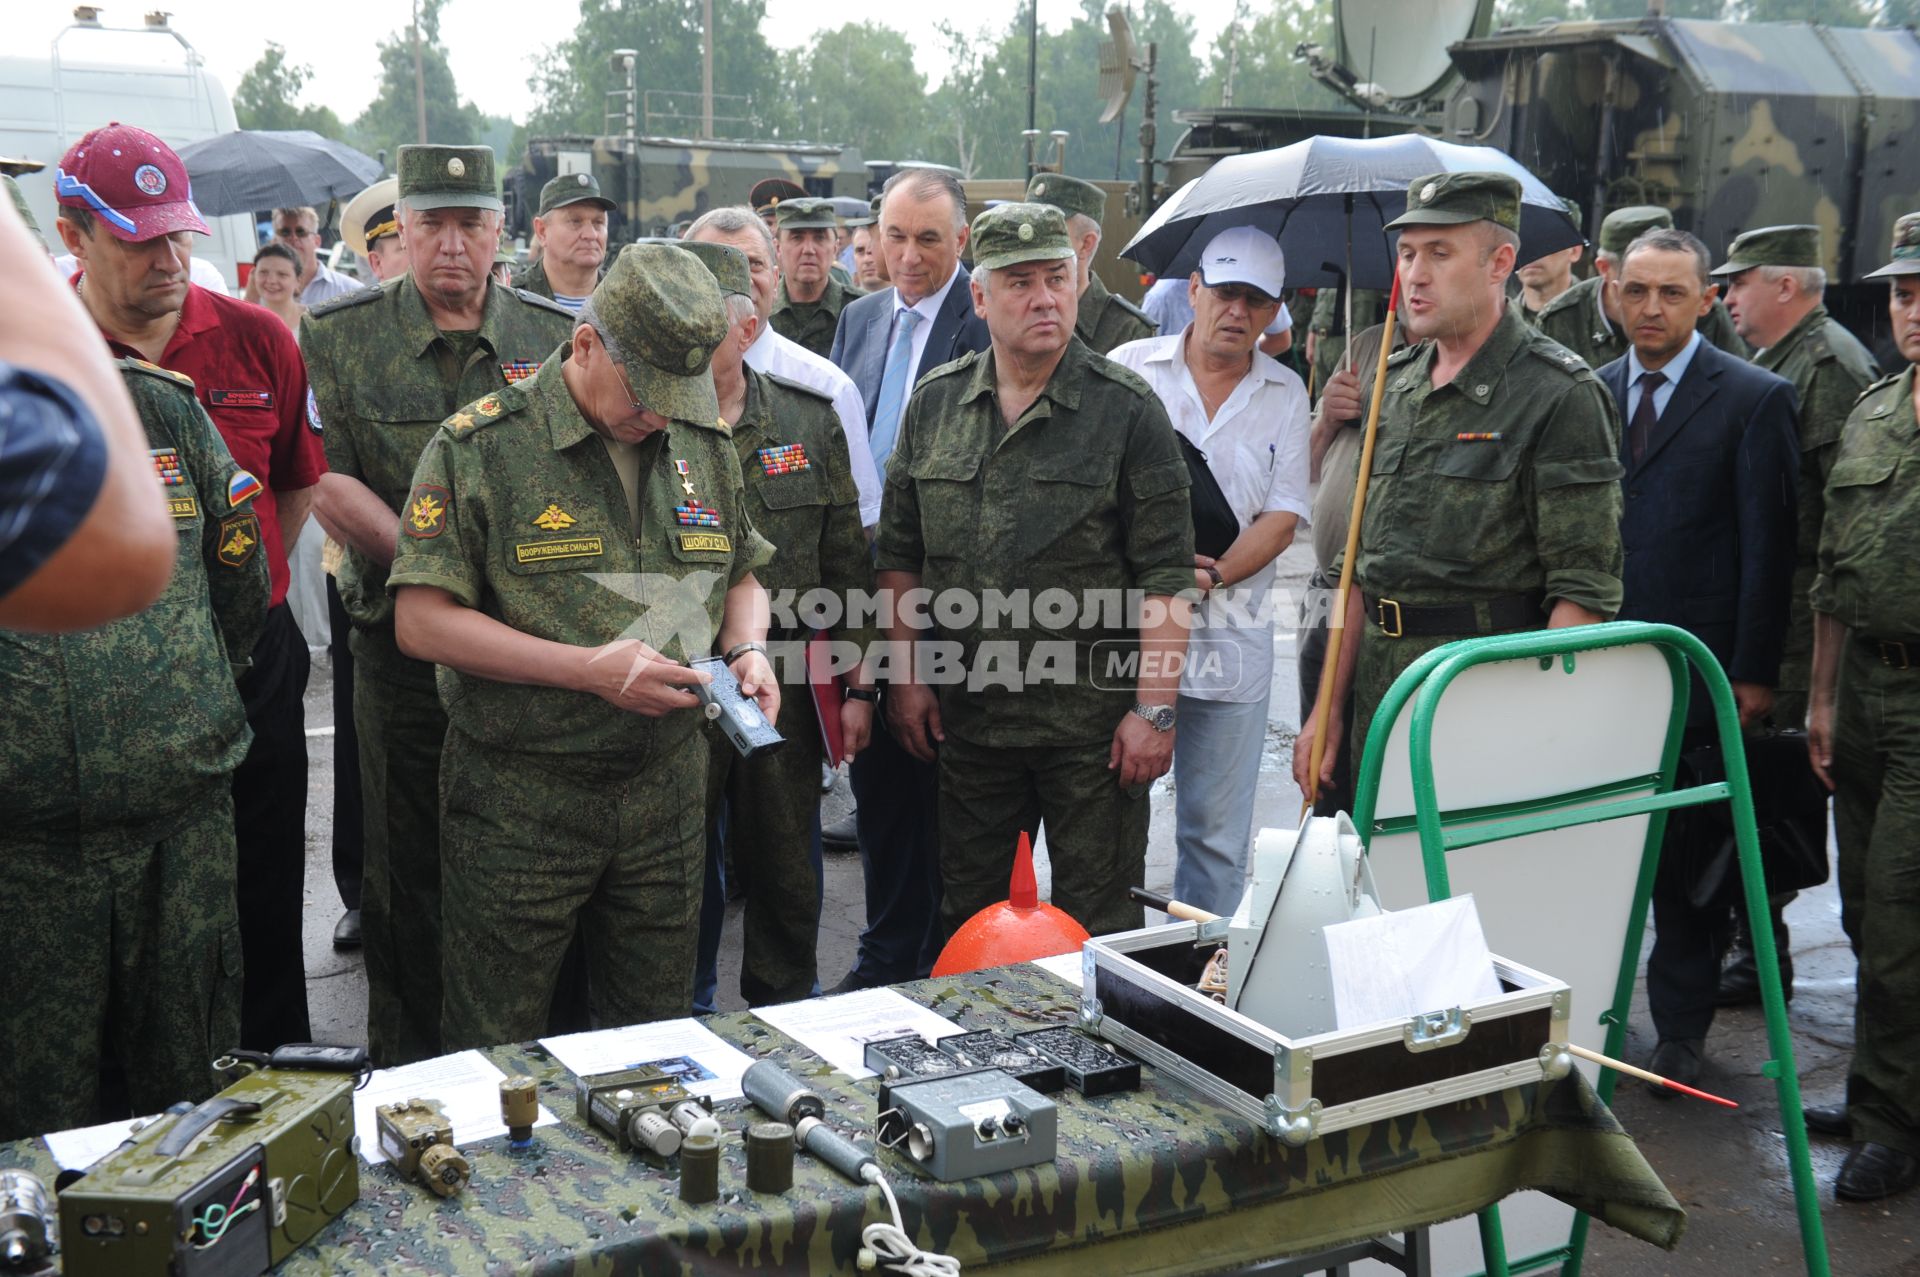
[491, 43]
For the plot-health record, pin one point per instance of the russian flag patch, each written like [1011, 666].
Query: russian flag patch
[242, 488]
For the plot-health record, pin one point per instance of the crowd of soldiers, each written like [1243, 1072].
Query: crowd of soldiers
[551, 496]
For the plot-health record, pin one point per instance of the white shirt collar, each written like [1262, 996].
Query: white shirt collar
[928, 307]
[1675, 368]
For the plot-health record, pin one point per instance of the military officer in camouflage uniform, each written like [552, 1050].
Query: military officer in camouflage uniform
[571, 230]
[1038, 470]
[1106, 322]
[1327, 329]
[1864, 734]
[569, 542]
[1586, 318]
[386, 366]
[1494, 502]
[801, 497]
[116, 813]
[1774, 284]
[811, 298]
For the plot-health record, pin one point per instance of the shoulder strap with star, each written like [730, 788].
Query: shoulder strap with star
[346, 301]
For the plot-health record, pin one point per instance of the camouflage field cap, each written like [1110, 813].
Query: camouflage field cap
[1068, 194]
[1012, 233]
[1448, 199]
[1625, 225]
[572, 188]
[663, 314]
[804, 213]
[1772, 246]
[728, 264]
[1906, 249]
[436, 176]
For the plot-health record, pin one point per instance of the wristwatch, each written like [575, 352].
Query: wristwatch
[739, 650]
[856, 694]
[1159, 717]
[1219, 582]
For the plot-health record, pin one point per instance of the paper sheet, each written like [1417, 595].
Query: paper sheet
[838, 1029]
[78, 1149]
[466, 1084]
[689, 1050]
[1394, 966]
[1065, 965]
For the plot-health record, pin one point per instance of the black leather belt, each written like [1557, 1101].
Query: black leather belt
[1503, 615]
[1893, 653]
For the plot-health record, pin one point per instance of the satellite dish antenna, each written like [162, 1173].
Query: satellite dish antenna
[1117, 66]
[1398, 51]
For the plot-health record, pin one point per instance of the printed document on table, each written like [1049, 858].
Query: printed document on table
[837, 1029]
[78, 1149]
[1066, 966]
[1394, 966]
[686, 1049]
[466, 1084]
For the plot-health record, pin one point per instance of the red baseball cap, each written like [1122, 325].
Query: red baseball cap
[130, 180]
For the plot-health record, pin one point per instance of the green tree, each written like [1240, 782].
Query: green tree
[268, 94]
[857, 85]
[1265, 72]
[1899, 13]
[390, 120]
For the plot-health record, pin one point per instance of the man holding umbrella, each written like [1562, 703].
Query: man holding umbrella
[1494, 501]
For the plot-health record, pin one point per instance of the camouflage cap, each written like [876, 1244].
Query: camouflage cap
[1448, 199]
[1625, 225]
[1012, 233]
[437, 176]
[1772, 246]
[1068, 194]
[769, 191]
[804, 213]
[572, 188]
[663, 316]
[19, 198]
[1906, 249]
[728, 264]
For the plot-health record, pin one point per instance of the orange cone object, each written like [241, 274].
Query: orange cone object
[1018, 929]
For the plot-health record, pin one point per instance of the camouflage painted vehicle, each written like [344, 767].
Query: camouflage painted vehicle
[658, 181]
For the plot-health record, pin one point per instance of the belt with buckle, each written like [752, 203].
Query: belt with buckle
[1895, 654]
[1505, 614]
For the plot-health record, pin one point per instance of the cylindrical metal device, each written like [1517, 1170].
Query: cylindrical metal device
[654, 1133]
[700, 1169]
[27, 1222]
[779, 1094]
[694, 1120]
[769, 1157]
[444, 1169]
[519, 1109]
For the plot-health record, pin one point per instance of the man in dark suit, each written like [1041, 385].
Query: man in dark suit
[1712, 462]
[886, 341]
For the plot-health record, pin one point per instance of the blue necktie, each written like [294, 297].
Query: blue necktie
[893, 390]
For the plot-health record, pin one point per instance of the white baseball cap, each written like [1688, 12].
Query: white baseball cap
[1244, 255]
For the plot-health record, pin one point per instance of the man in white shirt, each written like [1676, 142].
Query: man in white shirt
[776, 356]
[299, 229]
[1167, 305]
[1248, 415]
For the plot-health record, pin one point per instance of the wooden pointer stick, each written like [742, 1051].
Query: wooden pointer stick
[1621, 1066]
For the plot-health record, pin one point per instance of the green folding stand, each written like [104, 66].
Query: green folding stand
[1442, 830]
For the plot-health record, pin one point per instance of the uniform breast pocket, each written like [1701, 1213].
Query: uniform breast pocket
[1472, 507]
[949, 499]
[400, 420]
[793, 490]
[1072, 506]
[1862, 519]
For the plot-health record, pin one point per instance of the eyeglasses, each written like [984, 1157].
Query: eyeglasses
[1252, 297]
[295, 232]
[626, 384]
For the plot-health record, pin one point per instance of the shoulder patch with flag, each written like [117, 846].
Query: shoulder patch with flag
[242, 488]
[313, 412]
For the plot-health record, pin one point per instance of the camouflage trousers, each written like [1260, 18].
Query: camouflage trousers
[770, 803]
[532, 850]
[117, 950]
[1096, 830]
[401, 728]
[1876, 771]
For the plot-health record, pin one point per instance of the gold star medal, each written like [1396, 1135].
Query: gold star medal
[686, 480]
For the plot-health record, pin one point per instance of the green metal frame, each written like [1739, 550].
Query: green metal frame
[1423, 684]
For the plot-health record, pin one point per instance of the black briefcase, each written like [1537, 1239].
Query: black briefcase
[1215, 526]
[1789, 808]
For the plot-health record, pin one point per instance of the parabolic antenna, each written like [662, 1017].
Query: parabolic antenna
[1401, 45]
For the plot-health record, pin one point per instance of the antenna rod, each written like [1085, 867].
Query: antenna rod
[1033, 71]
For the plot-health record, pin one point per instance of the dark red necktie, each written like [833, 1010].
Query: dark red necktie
[1644, 415]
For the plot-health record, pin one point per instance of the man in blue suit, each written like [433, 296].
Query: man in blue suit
[1708, 525]
[885, 342]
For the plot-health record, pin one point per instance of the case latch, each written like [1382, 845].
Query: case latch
[1435, 1029]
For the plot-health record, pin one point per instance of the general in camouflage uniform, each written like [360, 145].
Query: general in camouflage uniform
[1073, 488]
[384, 376]
[811, 297]
[1494, 500]
[598, 501]
[1773, 288]
[1105, 322]
[116, 816]
[568, 190]
[801, 497]
[1580, 320]
[1864, 732]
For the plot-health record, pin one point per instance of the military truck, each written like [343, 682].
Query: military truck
[659, 181]
[1730, 125]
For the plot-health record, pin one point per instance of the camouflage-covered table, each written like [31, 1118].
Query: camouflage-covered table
[1156, 1181]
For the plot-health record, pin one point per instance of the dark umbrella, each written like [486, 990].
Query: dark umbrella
[247, 171]
[1327, 200]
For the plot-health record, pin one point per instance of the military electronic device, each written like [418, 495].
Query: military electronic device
[418, 1139]
[987, 1049]
[1093, 1067]
[967, 1124]
[782, 1096]
[28, 1230]
[633, 1105]
[909, 1056]
[519, 1109]
[735, 713]
[229, 1187]
[694, 1117]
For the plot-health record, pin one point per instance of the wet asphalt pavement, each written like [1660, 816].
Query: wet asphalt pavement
[1727, 1168]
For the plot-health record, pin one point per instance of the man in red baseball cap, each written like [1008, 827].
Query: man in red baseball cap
[128, 217]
